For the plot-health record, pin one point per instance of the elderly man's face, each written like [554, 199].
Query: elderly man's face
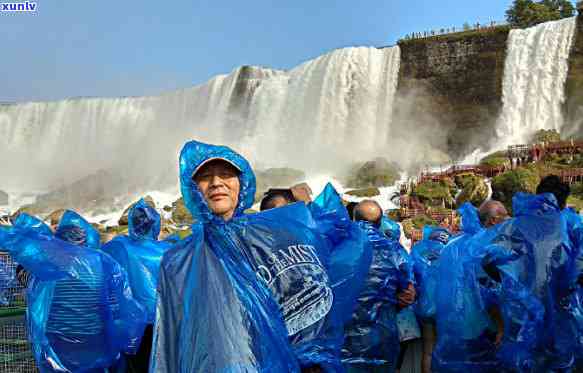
[497, 214]
[218, 182]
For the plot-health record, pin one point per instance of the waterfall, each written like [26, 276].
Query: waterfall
[535, 73]
[332, 109]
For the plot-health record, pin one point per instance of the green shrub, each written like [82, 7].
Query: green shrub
[376, 173]
[364, 193]
[504, 186]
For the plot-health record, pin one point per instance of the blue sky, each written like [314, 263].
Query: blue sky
[129, 48]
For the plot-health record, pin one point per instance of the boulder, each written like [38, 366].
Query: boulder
[373, 174]
[180, 214]
[89, 193]
[276, 178]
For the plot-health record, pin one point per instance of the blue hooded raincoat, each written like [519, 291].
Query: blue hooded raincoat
[351, 254]
[140, 254]
[538, 264]
[371, 336]
[466, 332]
[80, 312]
[215, 310]
[425, 257]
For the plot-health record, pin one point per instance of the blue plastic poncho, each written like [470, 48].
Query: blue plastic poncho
[390, 229]
[8, 280]
[574, 226]
[140, 254]
[371, 337]
[537, 260]
[214, 310]
[425, 257]
[80, 311]
[406, 320]
[466, 333]
[351, 254]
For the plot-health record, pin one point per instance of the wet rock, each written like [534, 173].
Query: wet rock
[373, 174]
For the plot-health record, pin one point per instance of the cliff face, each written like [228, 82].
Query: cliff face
[456, 82]
[573, 108]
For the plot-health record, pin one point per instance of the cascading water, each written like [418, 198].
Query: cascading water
[324, 112]
[535, 73]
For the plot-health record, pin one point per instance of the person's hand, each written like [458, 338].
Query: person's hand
[302, 192]
[406, 297]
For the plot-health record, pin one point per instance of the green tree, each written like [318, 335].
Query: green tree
[564, 7]
[526, 13]
[546, 136]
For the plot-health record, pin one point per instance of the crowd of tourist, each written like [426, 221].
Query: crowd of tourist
[306, 285]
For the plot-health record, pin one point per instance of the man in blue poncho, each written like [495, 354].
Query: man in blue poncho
[223, 291]
[467, 332]
[574, 226]
[425, 257]
[80, 311]
[140, 254]
[536, 263]
[371, 337]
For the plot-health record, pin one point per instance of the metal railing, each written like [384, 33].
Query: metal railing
[15, 352]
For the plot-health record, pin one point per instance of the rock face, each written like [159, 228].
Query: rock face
[94, 192]
[456, 80]
[180, 214]
[277, 178]
[3, 198]
[373, 174]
